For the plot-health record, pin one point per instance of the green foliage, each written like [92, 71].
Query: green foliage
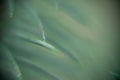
[58, 40]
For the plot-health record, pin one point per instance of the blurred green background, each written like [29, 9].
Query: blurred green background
[60, 40]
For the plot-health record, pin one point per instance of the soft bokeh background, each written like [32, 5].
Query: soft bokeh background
[60, 40]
